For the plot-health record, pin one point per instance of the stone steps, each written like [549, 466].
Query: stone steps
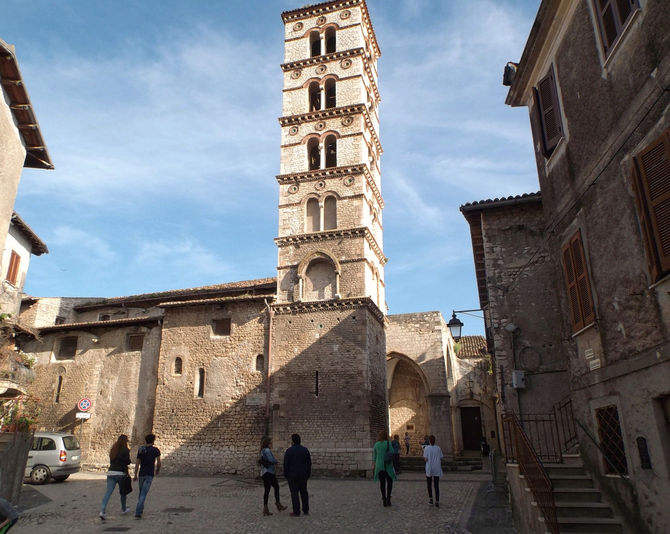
[416, 463]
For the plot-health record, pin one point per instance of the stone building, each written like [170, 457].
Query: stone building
[210, 370]
[595, 77]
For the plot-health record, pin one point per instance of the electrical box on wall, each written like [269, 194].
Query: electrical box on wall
[519, 379]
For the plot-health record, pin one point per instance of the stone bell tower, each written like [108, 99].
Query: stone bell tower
[328, 346]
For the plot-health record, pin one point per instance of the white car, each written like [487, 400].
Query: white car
[52, 455]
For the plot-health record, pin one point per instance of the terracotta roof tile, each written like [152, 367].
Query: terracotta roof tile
[472, 347]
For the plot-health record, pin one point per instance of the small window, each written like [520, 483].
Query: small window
[13, 270]
[331, 151]
[176, 368]
[577, 283]
[59, 387]
[330, 213]
[313, 154]
[67, 348]
[330, 40]
[135, 341]
[315, 44]
[331, 97]
[611, 440]
[612, 18]
[314, 96]
[260, 362]
[546, 99]
[313, 215]
[59, 319]
[200, 383]
[221, 327]
[104, 317]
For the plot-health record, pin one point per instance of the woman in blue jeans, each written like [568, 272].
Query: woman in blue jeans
[119, 460]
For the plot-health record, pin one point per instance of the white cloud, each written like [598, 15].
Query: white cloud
[181, 255]
[83, 245]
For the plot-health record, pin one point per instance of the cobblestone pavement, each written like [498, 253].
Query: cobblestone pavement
[232, 505]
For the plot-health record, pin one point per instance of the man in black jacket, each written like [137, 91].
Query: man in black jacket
[297, 469]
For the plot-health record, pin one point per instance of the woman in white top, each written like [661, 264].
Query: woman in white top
[432, 455]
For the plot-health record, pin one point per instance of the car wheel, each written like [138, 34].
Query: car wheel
[61, 478]
[40, 474]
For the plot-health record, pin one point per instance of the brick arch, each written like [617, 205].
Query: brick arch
[320, 81]
[402, 357]
[321, 29]
[318, 255]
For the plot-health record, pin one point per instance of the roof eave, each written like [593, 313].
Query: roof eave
[38, 246]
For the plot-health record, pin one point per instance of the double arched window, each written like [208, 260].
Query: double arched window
[327, 45]
[322, 156]
[321, 216]
[322, 96]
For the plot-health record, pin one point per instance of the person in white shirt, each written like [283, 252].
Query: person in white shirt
[432, 455]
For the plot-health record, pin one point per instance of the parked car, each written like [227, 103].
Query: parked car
[52, 455]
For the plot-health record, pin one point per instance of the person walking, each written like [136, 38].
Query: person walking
[383, 469]
[432, 456]
[148, 456]
[396, 453]
[297, 469]
[119, 460]
[268, 462]
[407, 442]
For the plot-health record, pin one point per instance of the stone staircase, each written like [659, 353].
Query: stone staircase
[458, 463]
[579, 505]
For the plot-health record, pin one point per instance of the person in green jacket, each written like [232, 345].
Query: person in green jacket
[384, 471]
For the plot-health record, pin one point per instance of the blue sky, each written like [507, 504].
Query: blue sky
[161, 120]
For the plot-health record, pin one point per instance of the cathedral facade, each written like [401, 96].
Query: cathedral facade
[211, 370]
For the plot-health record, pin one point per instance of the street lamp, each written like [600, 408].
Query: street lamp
[455, 325]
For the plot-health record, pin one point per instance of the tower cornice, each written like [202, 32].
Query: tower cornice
[328, 7]
[330, 113]
[320, 305]
[361, 231]
[334, 172]
[308, 62]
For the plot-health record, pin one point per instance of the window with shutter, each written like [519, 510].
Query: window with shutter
[612, 18]
[577, 282]
[651, 185]
[13, 270]
[546, 97]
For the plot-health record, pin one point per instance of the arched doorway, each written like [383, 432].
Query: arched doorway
[408, 406]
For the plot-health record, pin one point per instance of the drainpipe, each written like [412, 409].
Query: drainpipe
[271, 314]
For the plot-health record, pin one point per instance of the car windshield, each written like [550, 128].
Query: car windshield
[70, 443]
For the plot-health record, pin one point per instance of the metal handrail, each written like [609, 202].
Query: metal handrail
[531, 467]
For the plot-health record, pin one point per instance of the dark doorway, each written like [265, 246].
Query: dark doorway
[471, 426]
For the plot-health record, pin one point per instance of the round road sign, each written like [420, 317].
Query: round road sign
[84, 404]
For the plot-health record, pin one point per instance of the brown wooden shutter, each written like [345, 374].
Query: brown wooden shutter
[13, 270]
[577, 283]
[550, 115]
[645, 225]
[654, 168]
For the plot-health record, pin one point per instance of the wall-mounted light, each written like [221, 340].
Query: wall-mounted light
[455, 325]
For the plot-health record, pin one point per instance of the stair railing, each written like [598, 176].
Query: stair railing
[532, 469]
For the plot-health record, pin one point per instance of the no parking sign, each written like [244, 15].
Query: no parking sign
[84, 404]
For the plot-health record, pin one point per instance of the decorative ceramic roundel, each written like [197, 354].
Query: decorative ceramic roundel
[345, 14]
[321, 69]
[297, 26]
[321, 20]
[320, 125]
[296, 74]
[293, 189]
[320, 185]
[293, 130]
[346, 121]
[346, 63]
[349, 180]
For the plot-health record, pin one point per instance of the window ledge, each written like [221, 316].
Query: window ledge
[660, 282]
[587, 327]
[560, 148]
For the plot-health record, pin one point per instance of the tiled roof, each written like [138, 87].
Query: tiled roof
[501, 202]
[267, 284]
[472, 347]
[89, 324]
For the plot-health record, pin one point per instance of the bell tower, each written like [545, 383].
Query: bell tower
[328, 336]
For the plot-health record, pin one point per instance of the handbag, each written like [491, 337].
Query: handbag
[126, 485]
[388, 455]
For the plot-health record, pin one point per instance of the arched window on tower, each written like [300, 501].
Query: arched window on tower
[314, 96]
[260, 362]
[312, 216]
[315, 44]
[330, 40]
[313, 156]
[320, 281]
[176, 368]
[330, 213]
[330, 93]
[331, 151]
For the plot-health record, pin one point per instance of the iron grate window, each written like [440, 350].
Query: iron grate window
[611, 440]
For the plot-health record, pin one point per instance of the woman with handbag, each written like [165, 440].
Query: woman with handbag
[382, 456]
[119, 460]
[267, 462]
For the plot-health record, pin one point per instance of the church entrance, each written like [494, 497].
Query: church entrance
[471, 427]
[408, 408]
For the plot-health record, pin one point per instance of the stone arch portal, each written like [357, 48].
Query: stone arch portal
[408, 403]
